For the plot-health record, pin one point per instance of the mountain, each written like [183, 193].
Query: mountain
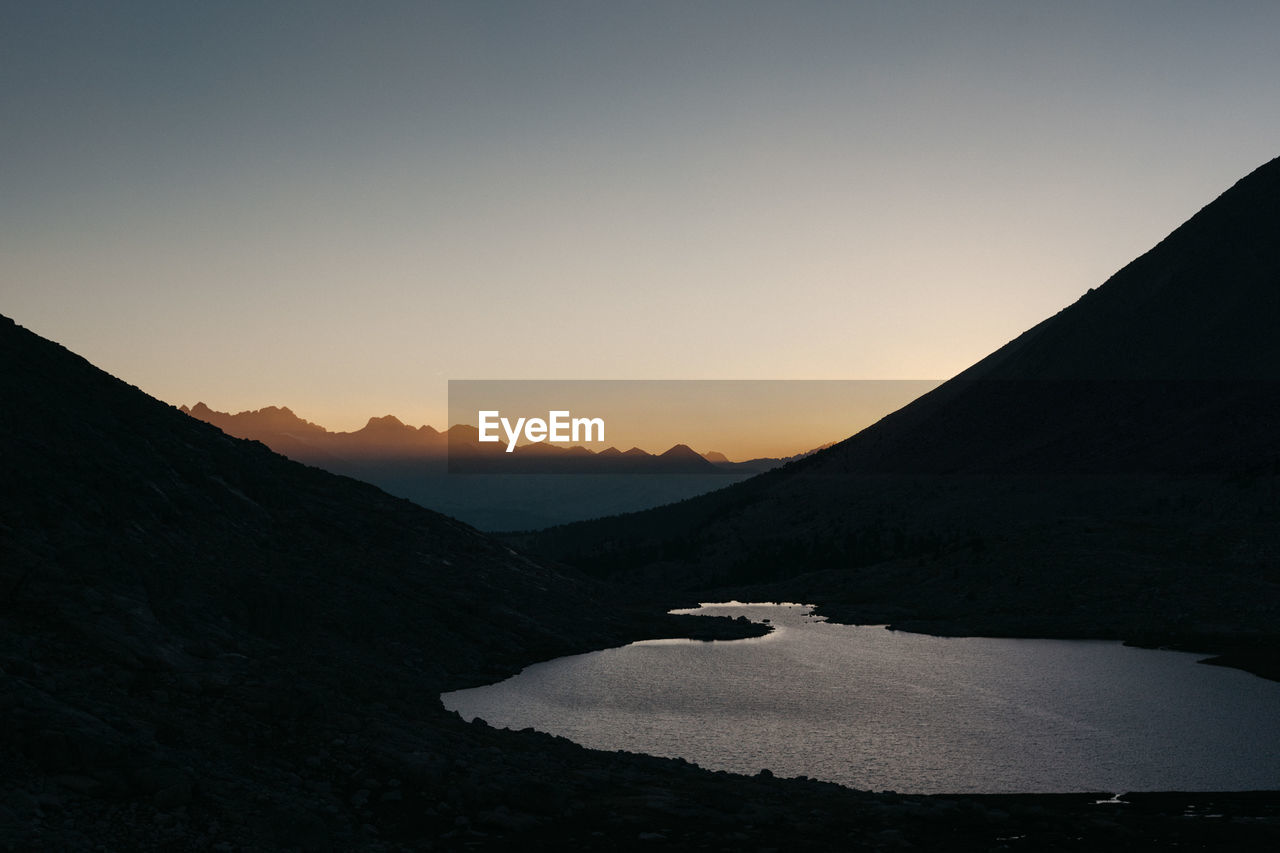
[1111, 473]
[387, 438]
[270, 420]
[204, 642]
[519, 491]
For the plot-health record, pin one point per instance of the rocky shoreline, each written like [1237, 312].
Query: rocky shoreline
[241, 759]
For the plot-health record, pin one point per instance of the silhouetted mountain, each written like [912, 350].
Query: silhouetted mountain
[1111, 472]
[499, 492]
[387, 439]
[681, 457]
[178, 606]
[272, 419]
[101, 478]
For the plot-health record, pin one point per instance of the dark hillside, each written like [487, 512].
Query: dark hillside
[1111, 472]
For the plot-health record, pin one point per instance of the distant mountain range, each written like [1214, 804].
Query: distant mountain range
[524, 490]
[388, 437]
[1112, 472]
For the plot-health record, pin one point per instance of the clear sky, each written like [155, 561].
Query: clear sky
[338, 206]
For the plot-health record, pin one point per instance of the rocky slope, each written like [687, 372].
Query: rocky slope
[185, 612]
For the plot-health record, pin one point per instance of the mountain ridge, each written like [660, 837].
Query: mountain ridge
[1091, 461]
[191, 624]
[385, 435]
[520, 491]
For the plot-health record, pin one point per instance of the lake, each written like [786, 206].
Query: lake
[886, 710]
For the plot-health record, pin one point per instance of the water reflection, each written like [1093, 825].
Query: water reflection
[878, 709]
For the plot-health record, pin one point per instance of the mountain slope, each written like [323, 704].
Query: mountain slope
[102, 479]
[191, 624]
[1110, 472]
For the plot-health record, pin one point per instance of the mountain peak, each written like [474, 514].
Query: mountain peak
[384, 422]
[1202, 304]
[256, 423]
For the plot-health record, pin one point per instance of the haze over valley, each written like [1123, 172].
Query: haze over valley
[540, 486]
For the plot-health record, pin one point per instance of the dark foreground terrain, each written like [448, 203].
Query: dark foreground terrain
[206, 646]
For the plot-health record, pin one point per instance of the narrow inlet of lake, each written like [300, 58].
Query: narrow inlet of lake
[887, 710]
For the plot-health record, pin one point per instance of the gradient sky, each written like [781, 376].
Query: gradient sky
[338, 206]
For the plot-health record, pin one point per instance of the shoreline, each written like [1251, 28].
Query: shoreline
[619, 798]
[712, 627]
[1256, 655]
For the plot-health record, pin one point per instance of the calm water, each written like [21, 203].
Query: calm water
[885, 710]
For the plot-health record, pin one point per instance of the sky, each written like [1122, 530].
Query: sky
[340, 206]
